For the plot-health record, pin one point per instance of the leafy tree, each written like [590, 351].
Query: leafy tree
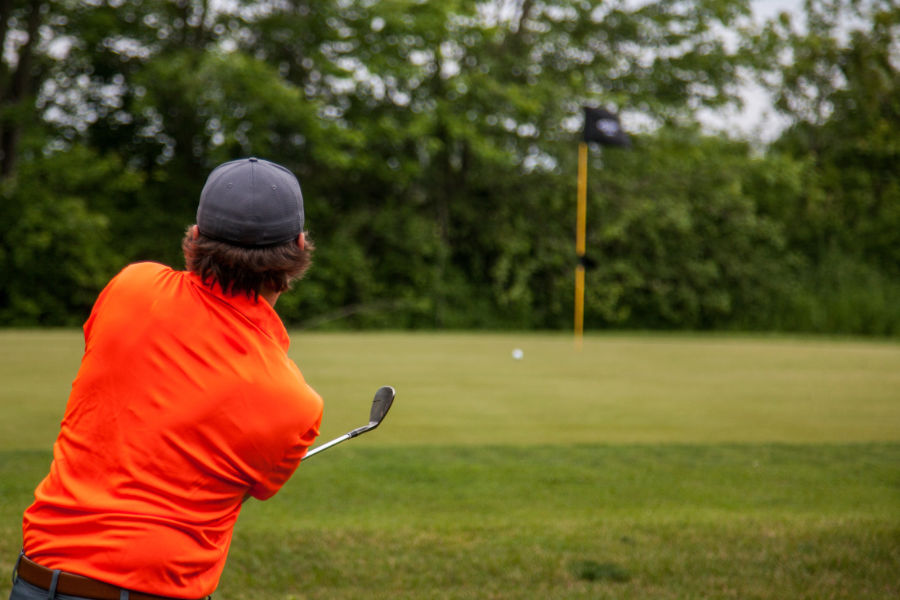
[55, 254]
[842, 88]
[435, 144]
[839, 81]
[471, 109]
[689, 249]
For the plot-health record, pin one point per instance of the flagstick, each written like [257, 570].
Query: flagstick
[581, 218]
[602, 127]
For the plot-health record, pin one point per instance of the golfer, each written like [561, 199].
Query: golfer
[185, 405]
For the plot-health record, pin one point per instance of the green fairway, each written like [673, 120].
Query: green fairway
[467, 389]
[643, 466]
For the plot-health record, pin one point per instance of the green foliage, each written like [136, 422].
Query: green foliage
[435, 143]
[843, 89]
[690, 249]
[55, 253]
[840, 294]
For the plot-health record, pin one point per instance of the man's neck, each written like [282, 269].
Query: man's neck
[270, 296]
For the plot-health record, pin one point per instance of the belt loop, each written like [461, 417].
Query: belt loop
[51, 593]
[15, 571]
[123, 594]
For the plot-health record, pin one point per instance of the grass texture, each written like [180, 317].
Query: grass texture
[643, 466]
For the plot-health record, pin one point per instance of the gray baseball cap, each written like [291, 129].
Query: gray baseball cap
[251, 202]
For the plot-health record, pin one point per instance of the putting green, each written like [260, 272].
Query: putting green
[465, 388]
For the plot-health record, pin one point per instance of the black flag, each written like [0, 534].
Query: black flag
[603, 127]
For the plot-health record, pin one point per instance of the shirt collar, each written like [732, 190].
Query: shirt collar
[258, 311]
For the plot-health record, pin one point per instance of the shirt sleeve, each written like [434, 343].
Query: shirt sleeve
[266, 487]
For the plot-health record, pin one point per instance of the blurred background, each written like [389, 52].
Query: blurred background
[436, 144]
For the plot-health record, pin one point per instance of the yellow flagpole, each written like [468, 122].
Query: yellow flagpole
[581, 218]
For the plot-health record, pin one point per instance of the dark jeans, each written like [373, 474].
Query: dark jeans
[22, 590]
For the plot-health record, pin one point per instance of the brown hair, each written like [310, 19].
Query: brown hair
[246, 270]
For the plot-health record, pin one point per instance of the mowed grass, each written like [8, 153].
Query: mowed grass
[643, 466]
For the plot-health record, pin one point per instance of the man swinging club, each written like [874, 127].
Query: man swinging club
[185, 405]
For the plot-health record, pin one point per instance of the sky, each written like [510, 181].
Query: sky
[770, 8]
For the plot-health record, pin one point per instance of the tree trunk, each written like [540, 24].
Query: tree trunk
[18, 90]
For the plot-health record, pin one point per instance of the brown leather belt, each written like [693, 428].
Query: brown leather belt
[76, 585]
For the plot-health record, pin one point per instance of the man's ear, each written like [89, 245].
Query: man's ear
[301, 241]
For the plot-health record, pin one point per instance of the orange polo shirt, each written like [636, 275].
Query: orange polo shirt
[185, 402]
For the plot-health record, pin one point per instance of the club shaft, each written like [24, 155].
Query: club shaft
[327, 445]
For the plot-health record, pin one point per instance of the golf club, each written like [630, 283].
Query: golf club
[384, 397]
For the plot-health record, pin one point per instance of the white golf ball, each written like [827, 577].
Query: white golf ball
[518, 354]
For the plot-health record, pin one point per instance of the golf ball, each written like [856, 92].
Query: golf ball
[518, 354]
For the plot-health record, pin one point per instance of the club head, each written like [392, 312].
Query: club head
[384, 398]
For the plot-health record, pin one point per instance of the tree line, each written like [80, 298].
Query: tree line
[436, 145]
